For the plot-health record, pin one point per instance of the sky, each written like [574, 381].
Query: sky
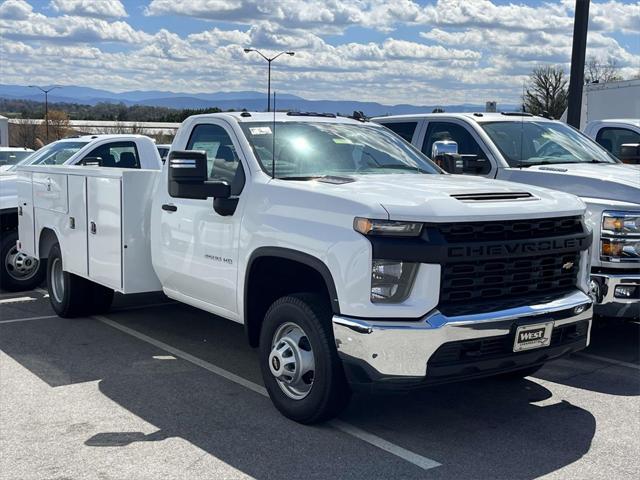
[389, 51]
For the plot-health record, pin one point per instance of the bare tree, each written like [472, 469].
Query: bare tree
[24, 133]
[547, 92]
[58, 124]
[598, 71]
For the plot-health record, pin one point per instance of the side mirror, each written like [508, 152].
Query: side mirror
[630, 153]
[91, 161]
[445, 154]
[188, 177]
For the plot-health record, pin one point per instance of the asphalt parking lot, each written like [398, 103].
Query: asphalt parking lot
[156, 389]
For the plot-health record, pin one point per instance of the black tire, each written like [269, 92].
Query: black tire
[329, 392]
[11, 279]
[72, 298]
[520, 374]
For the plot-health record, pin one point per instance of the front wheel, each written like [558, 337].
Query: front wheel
[18, 272]
[299, 362]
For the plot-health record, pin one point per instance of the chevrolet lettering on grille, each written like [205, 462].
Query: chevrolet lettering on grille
[506, 249]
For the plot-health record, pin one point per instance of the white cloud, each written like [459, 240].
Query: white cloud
[15, 10]
[90, 8]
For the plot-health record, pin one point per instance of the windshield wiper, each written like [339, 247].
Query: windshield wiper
[402, 167]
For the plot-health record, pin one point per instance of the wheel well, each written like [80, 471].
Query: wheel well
[272, 277]
[47, 239]
[9, 220]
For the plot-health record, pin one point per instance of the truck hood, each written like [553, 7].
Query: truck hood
[429, 197]
[593, 180]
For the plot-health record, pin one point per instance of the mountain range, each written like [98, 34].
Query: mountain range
[250, 100]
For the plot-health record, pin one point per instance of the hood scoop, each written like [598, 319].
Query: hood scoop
[493, 197]
[335, 180]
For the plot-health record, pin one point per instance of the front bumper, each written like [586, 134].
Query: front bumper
[397, 353]
[607, 303]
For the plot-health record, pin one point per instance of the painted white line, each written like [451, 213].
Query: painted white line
[15, 320]
[42, 291]
[607, 360]
[422, 462]
[411, 457]
[17, 299]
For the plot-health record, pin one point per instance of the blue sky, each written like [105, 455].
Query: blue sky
[405, 51]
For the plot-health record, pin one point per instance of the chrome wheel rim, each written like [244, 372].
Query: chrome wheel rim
[291, 361]
[57, 280]
[20, 266]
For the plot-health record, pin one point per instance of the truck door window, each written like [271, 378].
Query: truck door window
[612, 138]
[403, 129]
[222, 158]
[467, 145]
[117, 154]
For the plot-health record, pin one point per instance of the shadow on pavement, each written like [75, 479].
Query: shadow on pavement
[483, 429]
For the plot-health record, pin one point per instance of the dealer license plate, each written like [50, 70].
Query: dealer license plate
[533, 336]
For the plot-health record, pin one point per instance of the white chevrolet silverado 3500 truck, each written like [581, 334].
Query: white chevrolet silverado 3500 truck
[548, 153]
[352, 260]
[21, 272]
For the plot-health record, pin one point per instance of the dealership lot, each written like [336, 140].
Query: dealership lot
[156, 389]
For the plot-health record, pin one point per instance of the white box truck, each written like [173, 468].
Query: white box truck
[350, 258]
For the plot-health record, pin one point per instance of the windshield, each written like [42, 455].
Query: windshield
[55, 153]
[307, 150]
[11, 157]
[524, 144]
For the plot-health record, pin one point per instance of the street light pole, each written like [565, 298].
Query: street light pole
[269, 60]
[46, 106]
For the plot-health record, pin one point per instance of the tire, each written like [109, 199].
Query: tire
[18, 272]
[70, 295]
[328, 392]
[519, 374]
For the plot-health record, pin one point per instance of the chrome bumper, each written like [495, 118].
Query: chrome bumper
[607, 302]
[402, 349]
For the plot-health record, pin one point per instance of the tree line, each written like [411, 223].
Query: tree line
[119, 112]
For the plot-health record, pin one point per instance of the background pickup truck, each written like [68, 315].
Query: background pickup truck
[20, 272]
[350, 258]
[537, 151]
[621, 137]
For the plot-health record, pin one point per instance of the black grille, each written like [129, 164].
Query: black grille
[510, 230]
[468, 351]
[507, 277]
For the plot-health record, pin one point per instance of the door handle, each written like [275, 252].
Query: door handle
[169, 207]
[93, 227]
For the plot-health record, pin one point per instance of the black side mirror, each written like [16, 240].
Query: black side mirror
[92, 162]
[630, 153]
[188, 177]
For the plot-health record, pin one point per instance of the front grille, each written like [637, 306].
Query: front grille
[510, 230]
[469, 351]
[503, 278]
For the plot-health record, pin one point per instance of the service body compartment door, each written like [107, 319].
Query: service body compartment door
[75, 228]
[50, 191]
[26, 220]
[104, 212]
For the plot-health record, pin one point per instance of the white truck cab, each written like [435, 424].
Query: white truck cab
[538, 151]
[19, 272]
[620, 136]
[351, 259]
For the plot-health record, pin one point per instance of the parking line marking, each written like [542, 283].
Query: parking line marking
[607, 360]
[411, 457]
[17, 299]
[15, 320]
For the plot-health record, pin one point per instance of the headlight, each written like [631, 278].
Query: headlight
[391, 280]
[388, 228]
[621, 223]
[620, 239]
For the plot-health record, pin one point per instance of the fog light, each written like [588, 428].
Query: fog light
[626, 291]
[579, 309]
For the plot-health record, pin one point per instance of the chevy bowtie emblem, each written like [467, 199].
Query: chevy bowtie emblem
[567, 266]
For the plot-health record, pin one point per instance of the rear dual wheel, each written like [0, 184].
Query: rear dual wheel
[71, 295]
[300, 366]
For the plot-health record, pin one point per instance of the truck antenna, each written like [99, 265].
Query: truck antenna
[273, 139]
